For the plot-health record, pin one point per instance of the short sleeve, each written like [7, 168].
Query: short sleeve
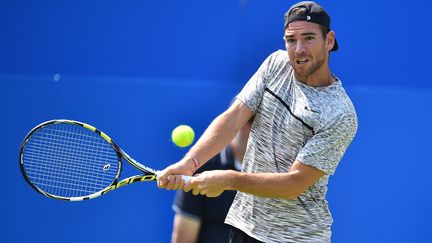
[253, 91]
[325, 149]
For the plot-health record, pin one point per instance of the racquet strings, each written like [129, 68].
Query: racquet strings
[69, 160]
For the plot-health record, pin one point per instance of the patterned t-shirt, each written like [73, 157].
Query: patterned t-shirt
[293, 121]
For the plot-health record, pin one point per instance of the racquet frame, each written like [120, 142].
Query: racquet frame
[149, 174]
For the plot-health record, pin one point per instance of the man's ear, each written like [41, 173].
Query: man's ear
[330, 40]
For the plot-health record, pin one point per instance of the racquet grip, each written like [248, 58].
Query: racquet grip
[186, 178]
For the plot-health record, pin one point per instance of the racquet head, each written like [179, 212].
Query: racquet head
[69, 160]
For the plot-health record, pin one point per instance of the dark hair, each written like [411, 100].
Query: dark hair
[324, 31]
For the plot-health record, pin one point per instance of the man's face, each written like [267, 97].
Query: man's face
[307, 48]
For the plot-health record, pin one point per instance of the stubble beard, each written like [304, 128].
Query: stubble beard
[314, 66]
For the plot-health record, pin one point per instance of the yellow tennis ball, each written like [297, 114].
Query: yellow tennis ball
[183, 136]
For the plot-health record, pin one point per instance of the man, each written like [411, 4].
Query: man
[304, 122]
[199, 218]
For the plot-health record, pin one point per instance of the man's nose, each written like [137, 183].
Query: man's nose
[300, 47]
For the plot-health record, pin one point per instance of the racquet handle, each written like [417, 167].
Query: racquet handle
[186, 178]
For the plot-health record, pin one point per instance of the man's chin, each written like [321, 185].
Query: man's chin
[301, 72]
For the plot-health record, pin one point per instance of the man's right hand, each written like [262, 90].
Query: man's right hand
[170, 178]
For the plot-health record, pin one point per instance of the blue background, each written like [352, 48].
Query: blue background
[137, 69]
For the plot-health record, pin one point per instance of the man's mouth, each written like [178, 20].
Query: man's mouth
[302, 60]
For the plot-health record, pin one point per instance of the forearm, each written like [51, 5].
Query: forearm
[214, 139]
[220, 132]
[277, 185]
[287, 185]
[274, 185]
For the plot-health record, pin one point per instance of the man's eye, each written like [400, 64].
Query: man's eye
[289, 41]
[308, 38]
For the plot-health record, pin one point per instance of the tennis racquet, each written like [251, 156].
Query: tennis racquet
[74, 161]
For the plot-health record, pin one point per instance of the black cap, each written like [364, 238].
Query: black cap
[313, 13]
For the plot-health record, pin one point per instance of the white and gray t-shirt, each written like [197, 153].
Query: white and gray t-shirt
[293, 121]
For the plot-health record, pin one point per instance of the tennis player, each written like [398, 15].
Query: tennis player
[304, 122]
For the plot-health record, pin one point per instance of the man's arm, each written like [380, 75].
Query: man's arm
[320, 155]
[216, 137]
[276, 185]
[185, 229]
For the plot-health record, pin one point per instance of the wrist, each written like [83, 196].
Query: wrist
[195, 160]
[230, 180]
[191, 162]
